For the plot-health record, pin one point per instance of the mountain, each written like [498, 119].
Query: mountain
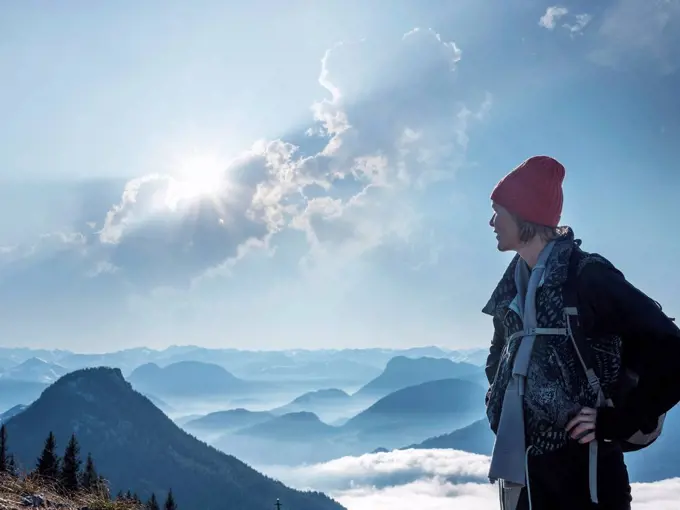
[475, 355]
[401, 372]
[419, 411]
[318, 402]
[139, 447]
[12, 412]
[185, 379]
[160, 404]
[35, 370]
[475, 438]
[300, 426]
[341, 371]
[406, 416]
[228, 420]
[14, 392]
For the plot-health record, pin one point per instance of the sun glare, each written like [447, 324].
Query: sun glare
[195, 178]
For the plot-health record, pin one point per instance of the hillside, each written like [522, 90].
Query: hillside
[11, 412]
[35, 370]
[137, 446]
[184, 379]
[13, 392]
[19, 493]
[316, 402]
[301, 426]
[228, 420]
[475, 438]
[401, 372]
[416, 412]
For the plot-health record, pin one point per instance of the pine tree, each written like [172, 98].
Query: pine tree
[135, 498]
[128, 495]
[11, 466]
[152, 504]
[120, 496]
[48, 463]
[70, 469]
[90, 478]
[3, 449]
[170, 502]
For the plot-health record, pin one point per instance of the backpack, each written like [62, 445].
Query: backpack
[629, 377]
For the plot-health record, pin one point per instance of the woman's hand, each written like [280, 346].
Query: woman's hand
[582, 426]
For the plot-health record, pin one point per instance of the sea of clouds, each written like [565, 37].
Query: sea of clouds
[429, 480]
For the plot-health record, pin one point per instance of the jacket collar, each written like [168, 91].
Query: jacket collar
[557, 267]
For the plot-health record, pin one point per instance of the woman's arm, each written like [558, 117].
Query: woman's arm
[649, 336]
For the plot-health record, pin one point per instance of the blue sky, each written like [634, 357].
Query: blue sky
[316, 174]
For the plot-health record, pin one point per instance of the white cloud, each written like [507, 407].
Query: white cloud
[579, 24]
[633, 31]
[311, 211]
[551, 16]
[428, 480]
[349, 197]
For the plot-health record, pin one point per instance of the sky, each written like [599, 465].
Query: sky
[430, 480]
[316, 174]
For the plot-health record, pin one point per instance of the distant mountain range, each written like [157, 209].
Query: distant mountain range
[10, 413]
[139, 448]
[408, 414]
[348, 365]
[417, 411]
[34, 370]
[13, 392]
[329, 403]
[401, 372]
[185, 379]
[223, 421]
[474, 438]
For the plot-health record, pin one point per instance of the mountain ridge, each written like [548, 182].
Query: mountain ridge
[139, 447]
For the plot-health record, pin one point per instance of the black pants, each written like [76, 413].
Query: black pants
[559, 480]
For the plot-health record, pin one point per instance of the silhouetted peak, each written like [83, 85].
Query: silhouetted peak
[300, 417]
[325, 394]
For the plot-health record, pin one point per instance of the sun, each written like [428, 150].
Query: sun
[195, 178]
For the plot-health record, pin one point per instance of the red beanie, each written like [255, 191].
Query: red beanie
[533, 191]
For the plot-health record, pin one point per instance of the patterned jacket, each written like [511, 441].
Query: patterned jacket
[556, 386]
[623, 326]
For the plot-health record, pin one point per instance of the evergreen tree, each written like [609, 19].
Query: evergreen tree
[11, 466]
[3, 449]
[48, 463]
[135, 498]
[152, 504]
[120, 496]
[128, 495]
[70, 469]
[103, 487]
[90, 477]
[170, 502]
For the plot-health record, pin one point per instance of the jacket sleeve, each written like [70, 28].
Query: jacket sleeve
[649, 336]
[495, 349]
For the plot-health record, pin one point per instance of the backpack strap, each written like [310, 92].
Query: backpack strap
[574, 329]
[584, 353]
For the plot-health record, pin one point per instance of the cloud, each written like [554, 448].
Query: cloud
[551, 16]
[634, 32]
[348, 197]
[390, 124]
[579, 24]
[428, 480]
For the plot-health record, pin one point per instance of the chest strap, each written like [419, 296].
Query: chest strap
[539, 331]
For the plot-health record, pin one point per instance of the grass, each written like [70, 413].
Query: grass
[14, 489]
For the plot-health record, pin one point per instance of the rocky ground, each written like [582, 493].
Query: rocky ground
[24, 493]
